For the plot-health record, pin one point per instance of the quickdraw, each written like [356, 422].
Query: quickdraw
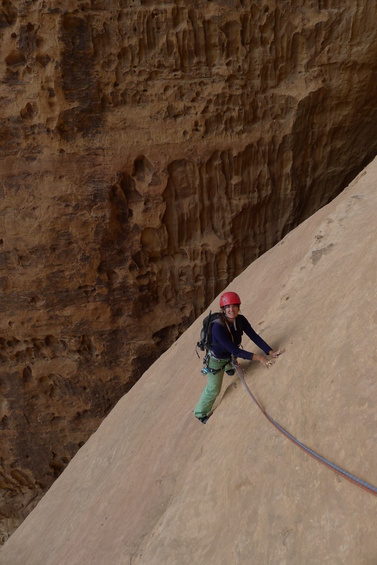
[355, 480]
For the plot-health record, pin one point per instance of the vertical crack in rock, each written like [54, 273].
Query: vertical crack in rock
[79, 83]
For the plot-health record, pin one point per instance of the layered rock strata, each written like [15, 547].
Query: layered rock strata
[149, 152]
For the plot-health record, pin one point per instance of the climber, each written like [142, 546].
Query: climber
[225, 345]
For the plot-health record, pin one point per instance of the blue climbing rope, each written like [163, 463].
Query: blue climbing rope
[355, 480]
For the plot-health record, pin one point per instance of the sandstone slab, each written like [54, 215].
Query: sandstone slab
[152, 485]
[149, 152]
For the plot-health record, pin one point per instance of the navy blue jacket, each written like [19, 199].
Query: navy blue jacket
[223, 346]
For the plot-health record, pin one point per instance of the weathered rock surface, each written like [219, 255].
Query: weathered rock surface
[149, 152]
[153, 485]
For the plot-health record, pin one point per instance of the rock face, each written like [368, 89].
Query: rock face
[149, 152]
[153, 485]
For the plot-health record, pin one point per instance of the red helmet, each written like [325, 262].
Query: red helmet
[229, 298]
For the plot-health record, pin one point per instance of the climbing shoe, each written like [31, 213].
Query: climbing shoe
[204, 419]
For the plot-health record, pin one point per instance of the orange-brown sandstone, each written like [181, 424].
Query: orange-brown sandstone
[153, 485]
[149, 152]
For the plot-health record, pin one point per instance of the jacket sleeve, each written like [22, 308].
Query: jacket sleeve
[252, 334]
[221, 335]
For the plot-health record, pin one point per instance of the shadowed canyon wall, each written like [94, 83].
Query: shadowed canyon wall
[149, 152]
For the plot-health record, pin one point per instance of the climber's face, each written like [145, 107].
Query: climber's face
[231, 311]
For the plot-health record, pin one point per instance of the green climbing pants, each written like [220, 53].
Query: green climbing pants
[212, 390]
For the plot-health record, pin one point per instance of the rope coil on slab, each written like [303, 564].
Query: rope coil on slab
[355, 480]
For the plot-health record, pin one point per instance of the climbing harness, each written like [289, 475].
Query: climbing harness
[207, 369]
[355, 480]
